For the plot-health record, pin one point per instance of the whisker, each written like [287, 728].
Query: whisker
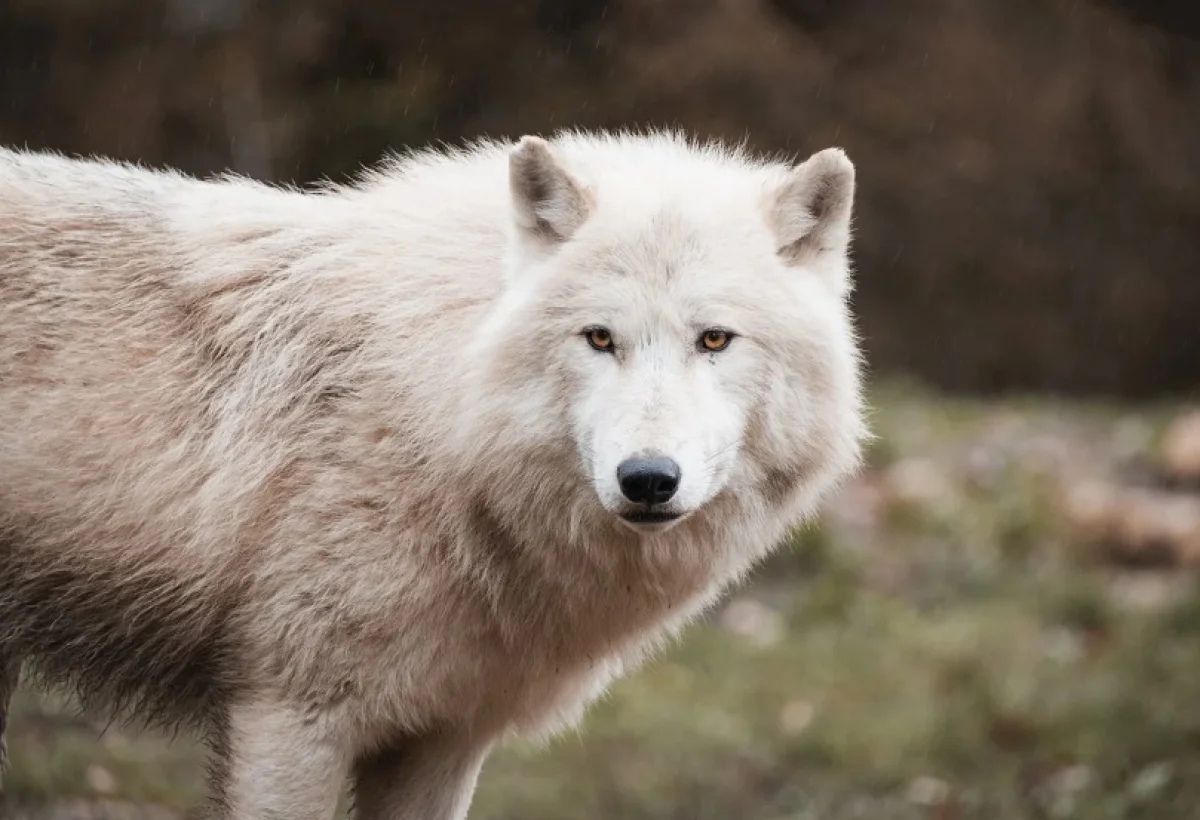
[720, 453]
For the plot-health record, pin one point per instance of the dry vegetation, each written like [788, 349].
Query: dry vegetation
[957, 639]
[1030, 169]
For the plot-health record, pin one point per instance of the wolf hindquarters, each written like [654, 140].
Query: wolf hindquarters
[10, 673]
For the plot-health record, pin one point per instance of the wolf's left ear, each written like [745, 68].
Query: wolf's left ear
[549, 203]
[810, 214]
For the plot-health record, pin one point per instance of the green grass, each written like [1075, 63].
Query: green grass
[929, 651]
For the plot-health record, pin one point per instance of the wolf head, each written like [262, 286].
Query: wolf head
[677, 313]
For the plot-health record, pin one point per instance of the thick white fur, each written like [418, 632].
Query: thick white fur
[358, 434]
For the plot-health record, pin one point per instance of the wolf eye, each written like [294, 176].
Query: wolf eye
[599, 338]
[714, 339]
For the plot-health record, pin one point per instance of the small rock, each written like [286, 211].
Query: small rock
[1150, 592]
[1165, 521]
[1062, 791]
[928, 791]
[1090, 501]
[797, 716]
[856, 509]
[1072, 779]
[983, 468]
[918, 482]
[101, 780]
[1151, 780]
[1092, 509]
[1136, 524]
[1180, 448]
[1062, 645]
[753, 620]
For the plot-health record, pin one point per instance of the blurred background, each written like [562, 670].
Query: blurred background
[998, 619]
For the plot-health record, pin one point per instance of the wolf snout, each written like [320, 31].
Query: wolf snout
[649, 480]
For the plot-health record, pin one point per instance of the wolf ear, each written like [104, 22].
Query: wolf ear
[550, 204]
[810, 214]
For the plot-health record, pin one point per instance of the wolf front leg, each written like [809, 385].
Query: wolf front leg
[10, 673]
[431, 778]
[277, 761]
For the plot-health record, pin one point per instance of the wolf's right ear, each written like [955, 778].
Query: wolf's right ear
[549, 203]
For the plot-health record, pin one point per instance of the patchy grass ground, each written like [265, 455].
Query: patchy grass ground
[938, 647]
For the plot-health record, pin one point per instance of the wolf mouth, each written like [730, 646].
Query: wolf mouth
[650, 516]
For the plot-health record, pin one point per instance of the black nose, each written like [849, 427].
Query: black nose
[648, 480]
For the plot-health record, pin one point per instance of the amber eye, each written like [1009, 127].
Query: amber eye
[599, 338]
[715, 339]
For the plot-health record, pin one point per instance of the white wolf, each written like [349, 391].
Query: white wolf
[360, 481]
